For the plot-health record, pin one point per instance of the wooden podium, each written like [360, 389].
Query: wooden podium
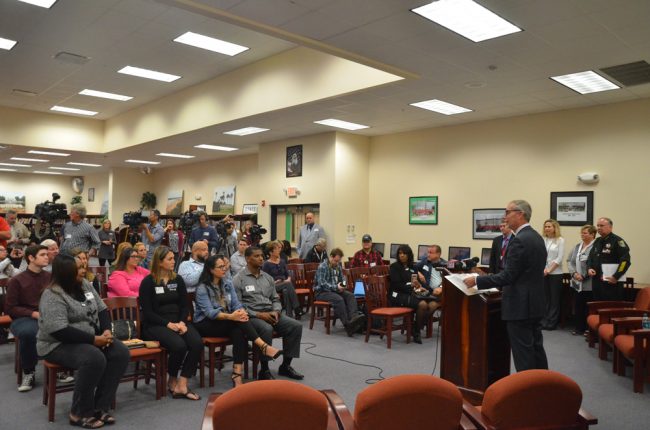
[475, 350]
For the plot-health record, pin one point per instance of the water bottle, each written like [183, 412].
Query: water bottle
[645, 322]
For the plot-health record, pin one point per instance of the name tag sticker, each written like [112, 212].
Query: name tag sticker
[172, 287]
[89, 296]
[250, 288]
[68, 236]
[373, 264]
[206, 233]
[426, 268]
[160, 290]
[315, 229]
[394, 293]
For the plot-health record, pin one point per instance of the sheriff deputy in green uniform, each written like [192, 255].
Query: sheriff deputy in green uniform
[610, 254]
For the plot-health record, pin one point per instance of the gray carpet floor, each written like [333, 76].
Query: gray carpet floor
[606, 395]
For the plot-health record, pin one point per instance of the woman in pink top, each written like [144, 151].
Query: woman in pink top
[126, 279]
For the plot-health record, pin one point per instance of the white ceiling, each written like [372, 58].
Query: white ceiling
[511, 72]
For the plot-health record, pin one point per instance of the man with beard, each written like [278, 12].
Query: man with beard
[191, 269]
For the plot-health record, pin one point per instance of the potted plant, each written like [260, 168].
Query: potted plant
[148, 200]
[75, 200]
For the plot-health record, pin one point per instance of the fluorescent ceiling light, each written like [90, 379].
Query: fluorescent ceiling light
[15, 165]
[216, 147]
[210, 43]
[149, 74]
[167, 154]
[56, 154]
[42, 3]
[7, 170]
[63, 168]
[441, 107]
[467, 18]
[37, 160]
[341, 124]
[245, 131]
[44, 172]
[585, 82]
[7, 43]
[73, 110]
[142, 162]
[84, 164]
[104, 95]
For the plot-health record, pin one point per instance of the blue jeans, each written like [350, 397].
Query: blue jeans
[25, 330]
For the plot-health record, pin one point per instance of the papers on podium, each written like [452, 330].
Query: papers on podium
[457, 280]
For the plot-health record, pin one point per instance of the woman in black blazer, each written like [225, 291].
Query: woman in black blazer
[405, 288]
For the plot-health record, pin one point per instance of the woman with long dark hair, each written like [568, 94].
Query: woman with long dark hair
[125, 280]
[74, 331]
[218, 312]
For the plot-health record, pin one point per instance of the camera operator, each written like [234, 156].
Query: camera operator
[16, 255]
[206, 233]
[228, 241]
[19, 232]
[79, 234]
[152, 234]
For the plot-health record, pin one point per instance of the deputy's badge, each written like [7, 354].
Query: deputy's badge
[621, 243]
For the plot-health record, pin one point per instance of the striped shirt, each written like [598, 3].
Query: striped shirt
[81, 235]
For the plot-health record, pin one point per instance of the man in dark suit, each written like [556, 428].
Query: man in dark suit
[522, 285]
[499, 247]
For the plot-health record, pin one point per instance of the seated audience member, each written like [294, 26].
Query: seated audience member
[580, 279]
[21, 304]
[237, 260]
[120, 249]
[275, 267]
[285, 254]
[107, 244]
[16, 255]
[125, 280]
[165, 310]
[74, 330]
[218, 313]
[256, 291]
[366, 256]
[174, 239]
[82, 256]
[19, 232]
[318, 253]
[405, 289]
[428, 276]
[141, 249]
[329, 285]
[206, 233]
[7, 270]
[52, 252]
[191, 269]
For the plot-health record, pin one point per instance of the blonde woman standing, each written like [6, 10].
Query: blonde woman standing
[552, 273]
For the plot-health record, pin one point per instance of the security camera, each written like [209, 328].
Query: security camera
[589, 178]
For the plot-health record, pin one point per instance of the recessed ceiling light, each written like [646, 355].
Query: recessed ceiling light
[467, 18]
[216, 147]
[84, 164]
[44, 172]
[15, 165]
[142, 162]
[245, 131]
[149, 74]
[7, 170]
[63, 168]
[42, 3]
[210, 43]
[441, 107]
[7, 43]
[37, 160]
[73, 110]
[167, 154]
[56, 154]
[585, 82]
[341, 124]
[103, 95]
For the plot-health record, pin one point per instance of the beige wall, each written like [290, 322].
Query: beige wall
[486, 164]
[125, 188]
[38, 188]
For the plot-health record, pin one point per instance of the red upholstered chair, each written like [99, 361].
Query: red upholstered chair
[409, 402]
[377, 305]
[601, 313]
[632, 347]
[270, 405]
[532, 399]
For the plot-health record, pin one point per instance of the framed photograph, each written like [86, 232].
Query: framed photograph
[485, 223]
[294, 161]
[393, 250]
[423, 210]
[574, 208]
[485, 256]
[223, 202]
[423, 251]
[250, 208]
[459, 253]
[91, 194]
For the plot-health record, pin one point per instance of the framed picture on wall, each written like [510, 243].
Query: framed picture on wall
[423, 210]
[485, 223]
[575, 208]
[249, 208]
[91, 194]
[294, 161]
